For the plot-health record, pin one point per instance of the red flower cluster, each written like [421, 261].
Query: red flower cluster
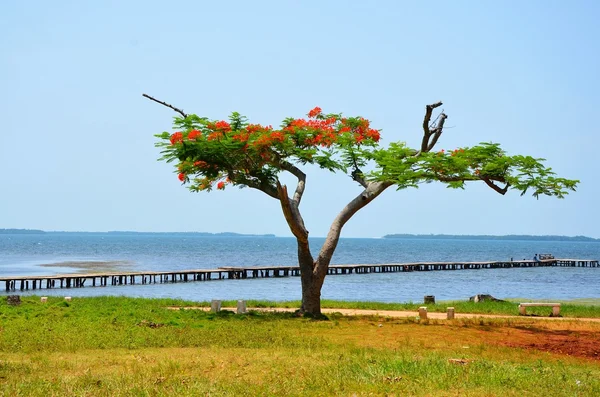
[262, 144]
[194, 134]
[176, 137]
[245, 134]
[219, 126]
[315, 124]
[257, 127]
[314, 112]
[214, 136]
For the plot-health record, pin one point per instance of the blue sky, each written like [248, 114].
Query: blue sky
[77, 147]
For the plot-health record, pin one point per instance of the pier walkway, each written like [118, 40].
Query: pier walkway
[79, 280]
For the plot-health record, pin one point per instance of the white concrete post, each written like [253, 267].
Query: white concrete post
[423, 313]
[215, 305]
[68, 298]
[241, 307]
[450, 313]
[44, 299]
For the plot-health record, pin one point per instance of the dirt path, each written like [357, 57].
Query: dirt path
[396, 313]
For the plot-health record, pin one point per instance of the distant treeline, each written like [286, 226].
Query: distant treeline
[489, 237]
[21, 231]
[204, 234]
[224, 234]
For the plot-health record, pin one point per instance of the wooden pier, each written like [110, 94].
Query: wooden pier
[79, 280]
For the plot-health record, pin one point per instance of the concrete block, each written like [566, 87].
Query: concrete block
[215, 305]
[423, 313]
[450, 313]
[44, 299]
[241, 307]
[68, 298]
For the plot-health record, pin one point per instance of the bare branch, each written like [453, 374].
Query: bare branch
[426, 131]
[437, 130]
[165, 104]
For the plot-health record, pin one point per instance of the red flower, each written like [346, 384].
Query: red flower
[221, 185]
[181, 176]
[315, 112]
[277, 136]
[194, 134]
[222, 125]
[373, 134]
[214, 136]
[176, 137]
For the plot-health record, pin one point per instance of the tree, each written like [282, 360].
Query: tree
[210, 153]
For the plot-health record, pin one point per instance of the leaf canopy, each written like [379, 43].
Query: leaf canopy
[211, 153]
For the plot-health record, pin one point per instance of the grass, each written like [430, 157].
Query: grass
[127, 346]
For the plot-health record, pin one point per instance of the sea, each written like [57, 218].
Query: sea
[28, 254]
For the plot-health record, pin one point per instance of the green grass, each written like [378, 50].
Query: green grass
[127, 346]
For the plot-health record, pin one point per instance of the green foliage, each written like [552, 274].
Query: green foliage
[216, 153]
[486, 162]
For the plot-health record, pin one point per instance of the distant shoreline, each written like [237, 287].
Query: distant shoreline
[204, 234]
[510, 237]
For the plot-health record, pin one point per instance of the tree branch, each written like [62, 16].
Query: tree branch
[437, 131]
[426, 120]
[298, 173]
[292, 214]
[267, 189]
[497, 188]
[373, 190]
[489, 180]
[357, 175]
[165, 104]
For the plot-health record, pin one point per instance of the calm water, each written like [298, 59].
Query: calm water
[23, 255]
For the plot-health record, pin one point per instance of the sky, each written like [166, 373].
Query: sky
[77, 137]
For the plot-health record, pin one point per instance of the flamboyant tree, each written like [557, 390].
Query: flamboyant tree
[213, 154]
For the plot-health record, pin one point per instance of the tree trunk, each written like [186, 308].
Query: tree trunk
[311, 295]
[311, 282]
[313, 272]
